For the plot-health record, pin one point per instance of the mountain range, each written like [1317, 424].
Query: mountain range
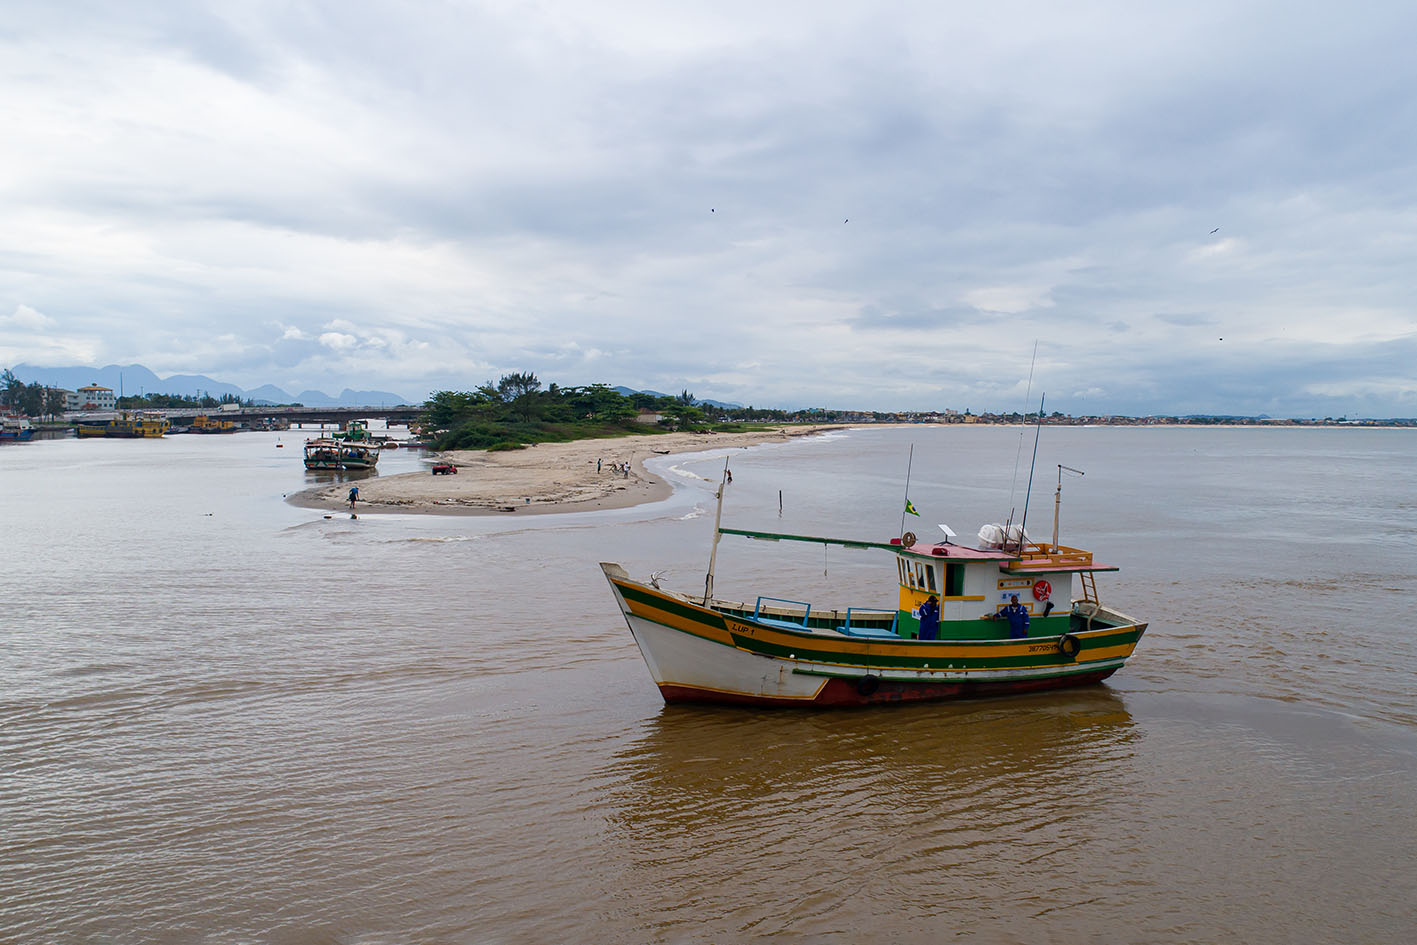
[134, 378]
[627, 391]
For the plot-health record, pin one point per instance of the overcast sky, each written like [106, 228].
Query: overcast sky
[881, 205]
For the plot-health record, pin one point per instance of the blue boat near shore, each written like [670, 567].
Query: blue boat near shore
[15, 430]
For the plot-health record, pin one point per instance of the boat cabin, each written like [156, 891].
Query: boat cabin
[975, 583]
[970, 585]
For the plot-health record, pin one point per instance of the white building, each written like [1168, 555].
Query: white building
[92, 397]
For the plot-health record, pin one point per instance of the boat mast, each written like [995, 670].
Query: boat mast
[1058, 500]
[717, 518]
[1023, 525]
[906, 504]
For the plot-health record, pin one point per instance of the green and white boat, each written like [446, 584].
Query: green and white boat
[780, 652]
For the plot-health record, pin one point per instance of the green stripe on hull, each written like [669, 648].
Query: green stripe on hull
[802, 646]
[678, 608]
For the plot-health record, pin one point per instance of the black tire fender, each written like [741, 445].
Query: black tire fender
[1069, 646]
[867, 685]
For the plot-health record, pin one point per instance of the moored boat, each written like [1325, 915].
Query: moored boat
[127, 424]
[775, 651]
[205, 424]
[15, 429]
[331, 453]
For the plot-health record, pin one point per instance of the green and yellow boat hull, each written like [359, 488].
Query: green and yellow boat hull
[721, 652]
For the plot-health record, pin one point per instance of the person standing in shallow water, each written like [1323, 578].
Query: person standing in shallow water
[1017, 615]
[930, 619]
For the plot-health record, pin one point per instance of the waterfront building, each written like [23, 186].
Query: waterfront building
[92, 397]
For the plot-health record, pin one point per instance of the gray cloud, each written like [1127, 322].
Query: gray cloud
[660, 197]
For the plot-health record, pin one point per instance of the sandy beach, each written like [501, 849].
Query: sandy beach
[548, 477]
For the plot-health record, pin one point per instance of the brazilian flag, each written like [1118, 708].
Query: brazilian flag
[909, 508]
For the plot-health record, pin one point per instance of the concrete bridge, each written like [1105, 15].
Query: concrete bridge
[400, 414]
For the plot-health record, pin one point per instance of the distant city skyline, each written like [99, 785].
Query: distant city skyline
[201, 385]
[1195, 208]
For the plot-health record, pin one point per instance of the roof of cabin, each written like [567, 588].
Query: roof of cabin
[1063, 560]
[1031, 561]
[957, 552]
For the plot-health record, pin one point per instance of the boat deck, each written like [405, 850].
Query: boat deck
[877, 623]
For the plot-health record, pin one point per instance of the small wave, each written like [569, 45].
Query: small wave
[686, 474]
[436, 539]
[91, 669]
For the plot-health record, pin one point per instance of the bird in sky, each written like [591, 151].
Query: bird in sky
[1215, 231]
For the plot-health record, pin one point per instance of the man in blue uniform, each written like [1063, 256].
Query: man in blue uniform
[930, 619]
[1017, 616]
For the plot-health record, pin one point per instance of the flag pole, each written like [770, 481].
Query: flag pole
[908, 463]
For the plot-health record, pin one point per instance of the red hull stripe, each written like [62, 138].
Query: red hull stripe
[843, 692]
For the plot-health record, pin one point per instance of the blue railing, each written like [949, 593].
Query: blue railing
[851, 631]
[758, 609]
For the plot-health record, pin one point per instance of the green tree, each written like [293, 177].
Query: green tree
[682, 415]
[446, 409]
[11, 388]
[600, 402]
[32, 398]
[519, 391]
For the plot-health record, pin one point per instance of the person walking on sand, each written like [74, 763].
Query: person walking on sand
[597, 465]
[353, 496]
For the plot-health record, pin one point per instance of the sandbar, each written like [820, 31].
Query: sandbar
[578, 476]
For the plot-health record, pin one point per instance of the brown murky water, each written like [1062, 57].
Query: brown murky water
[227, 720]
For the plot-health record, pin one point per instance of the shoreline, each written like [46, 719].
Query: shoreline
[546, 478]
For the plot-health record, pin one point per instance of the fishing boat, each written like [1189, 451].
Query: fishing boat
[356, 431]
[774, 651]
[331, 453]
[128, 424]
[15, 429]
[205, 424]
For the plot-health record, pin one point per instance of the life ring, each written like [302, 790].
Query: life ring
[907, 539]
[1042, 590]
[1069, 646]
[867, 685]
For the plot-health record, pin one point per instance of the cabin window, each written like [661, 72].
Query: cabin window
[900, 566]
[954, 580]
[923, 577]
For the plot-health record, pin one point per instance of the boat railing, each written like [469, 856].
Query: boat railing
[873, 630]
[1052, 557]
[781, 615]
